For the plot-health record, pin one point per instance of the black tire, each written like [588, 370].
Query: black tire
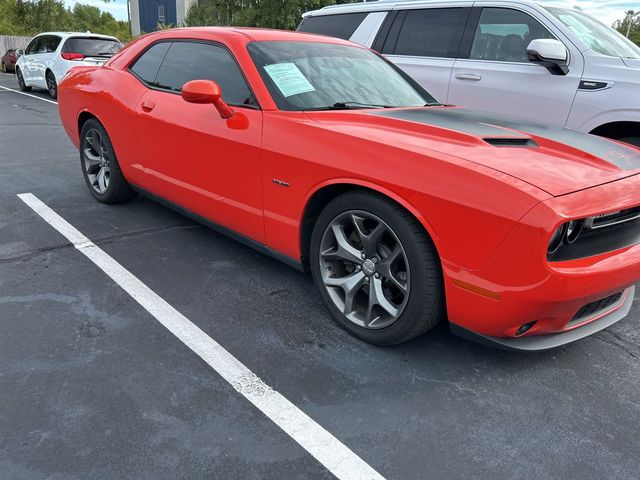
[23, 86]
[118, 189]
[52, 85]
[424, 307]
[632, 140]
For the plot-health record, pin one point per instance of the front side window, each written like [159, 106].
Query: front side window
[341, 25]
[316, 76]
[433, 32]
[186, 61]
[504, 34]
[598, 37]
[32, 47]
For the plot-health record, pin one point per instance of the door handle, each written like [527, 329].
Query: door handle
[468, 76]
[148, 106]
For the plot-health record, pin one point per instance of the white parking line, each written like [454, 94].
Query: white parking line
[28, 95]
[326, 448]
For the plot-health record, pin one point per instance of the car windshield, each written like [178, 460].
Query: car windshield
[92, 47]
[325, 76]
[597, 36]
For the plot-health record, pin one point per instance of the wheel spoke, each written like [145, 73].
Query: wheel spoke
[101, 182]
[369, 240]
[344, 250]
[91, 157]
[377, 298]
[95, 143]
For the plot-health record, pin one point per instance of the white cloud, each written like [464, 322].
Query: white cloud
[606, 11]
[117, 8]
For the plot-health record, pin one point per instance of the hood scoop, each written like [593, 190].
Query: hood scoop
[511, 142]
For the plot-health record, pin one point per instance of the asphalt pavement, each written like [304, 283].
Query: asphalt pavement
[92, 386]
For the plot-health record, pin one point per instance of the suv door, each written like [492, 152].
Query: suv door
[424, 42]
[45, 52]
[30, 55]
[496, 76]
[196, 159]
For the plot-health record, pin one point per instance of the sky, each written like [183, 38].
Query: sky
[605, 11]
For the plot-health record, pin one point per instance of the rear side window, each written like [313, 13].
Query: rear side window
[92, 47]
[186, 61]
[340, 26]
[147, 66]
[504, 34]
[434, 32]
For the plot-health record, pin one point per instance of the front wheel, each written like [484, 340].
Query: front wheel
[52, 85]
[21, 83]
[376, 269]
[100, 166]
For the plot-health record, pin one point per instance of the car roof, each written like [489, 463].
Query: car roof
[76, 34]
[382, 5]
[247, 34]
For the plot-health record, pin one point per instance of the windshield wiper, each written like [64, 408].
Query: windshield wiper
[349, 106]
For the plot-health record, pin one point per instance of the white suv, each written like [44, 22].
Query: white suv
[530, 59]
[49, 56]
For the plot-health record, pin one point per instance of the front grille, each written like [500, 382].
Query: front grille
[597, 306]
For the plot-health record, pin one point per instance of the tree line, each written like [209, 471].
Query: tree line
[28, 18]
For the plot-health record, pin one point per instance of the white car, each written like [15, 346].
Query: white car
[535, 60]
[49, 56]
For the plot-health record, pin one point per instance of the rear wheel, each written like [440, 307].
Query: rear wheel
[52, 85]
[21, 83]
[376, 269]
[100, 166]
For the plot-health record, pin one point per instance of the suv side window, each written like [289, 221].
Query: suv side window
[49, 44]
[432, 32]
[147, 65]
[339, 25]
[503, 35]
[186, 61]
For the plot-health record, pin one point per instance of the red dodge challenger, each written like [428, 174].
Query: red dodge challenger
[405, 211]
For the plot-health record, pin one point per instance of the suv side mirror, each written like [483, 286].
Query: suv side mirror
[18, 53]
[206, 91]
[550, 53]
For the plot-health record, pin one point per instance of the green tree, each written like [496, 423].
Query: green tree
[630, 26]
[284, 14]
[30, 17]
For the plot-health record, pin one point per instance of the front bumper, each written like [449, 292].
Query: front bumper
[518, 285]
[545, 342]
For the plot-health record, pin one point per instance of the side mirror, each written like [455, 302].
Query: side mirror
[550, 53]
[206, 91]
[19, 53]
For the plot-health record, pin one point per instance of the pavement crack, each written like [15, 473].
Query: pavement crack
[106, 240]
[616, 340]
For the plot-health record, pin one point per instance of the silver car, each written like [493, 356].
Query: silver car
[515, 57]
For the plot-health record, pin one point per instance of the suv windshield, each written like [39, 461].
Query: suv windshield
[597, 36]
[92, 47]
[319, 76]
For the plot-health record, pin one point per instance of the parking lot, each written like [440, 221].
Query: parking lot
[93, 385]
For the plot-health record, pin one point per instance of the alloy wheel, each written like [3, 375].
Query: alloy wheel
[364, 269]
[96, 161]
[51, 85]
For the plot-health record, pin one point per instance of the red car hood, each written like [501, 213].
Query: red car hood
[556, 160]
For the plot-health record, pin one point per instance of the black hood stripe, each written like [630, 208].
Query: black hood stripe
[486, 125]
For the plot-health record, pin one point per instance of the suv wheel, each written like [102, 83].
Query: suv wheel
[21, 84]
[376, 269]
[52, 85]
